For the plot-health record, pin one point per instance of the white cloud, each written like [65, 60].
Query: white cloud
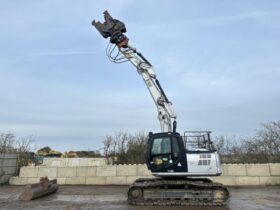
[61, 53]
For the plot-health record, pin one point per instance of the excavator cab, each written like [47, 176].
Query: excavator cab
[166, 152]
[193, 154]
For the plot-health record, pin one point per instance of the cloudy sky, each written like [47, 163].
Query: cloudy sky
[218, 61]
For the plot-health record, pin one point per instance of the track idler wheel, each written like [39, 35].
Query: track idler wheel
[135, 193]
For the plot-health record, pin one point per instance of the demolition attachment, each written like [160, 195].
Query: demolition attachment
[112, 28]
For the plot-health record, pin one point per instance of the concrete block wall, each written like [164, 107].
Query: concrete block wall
[233, 174]
[72, 162]
[250, 174]
[8, 166]
[92, 175]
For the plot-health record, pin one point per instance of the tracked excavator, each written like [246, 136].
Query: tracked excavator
[180, 163]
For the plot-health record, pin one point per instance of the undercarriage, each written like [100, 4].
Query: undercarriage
[184, 191]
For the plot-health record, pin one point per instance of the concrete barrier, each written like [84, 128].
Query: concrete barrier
[233, 174]
[258, 169]
[274, 169]
[234, 170]
[72, 162]
[29, 172]
[8, 166]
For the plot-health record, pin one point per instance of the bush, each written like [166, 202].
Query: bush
[124, 148]
[263, 147]
[22, 146]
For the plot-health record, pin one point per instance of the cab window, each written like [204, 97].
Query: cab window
[161, 146]
[175, 147]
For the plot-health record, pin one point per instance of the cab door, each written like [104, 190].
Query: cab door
[166, 153]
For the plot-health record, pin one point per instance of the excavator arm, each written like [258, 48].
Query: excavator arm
[115, 29]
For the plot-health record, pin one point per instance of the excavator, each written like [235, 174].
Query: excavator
[180, 163]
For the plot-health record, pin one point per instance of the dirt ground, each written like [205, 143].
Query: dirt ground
[114, 197]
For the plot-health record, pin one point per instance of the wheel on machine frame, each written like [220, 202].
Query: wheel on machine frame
[135, 193]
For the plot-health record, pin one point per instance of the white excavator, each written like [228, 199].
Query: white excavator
[180, 163]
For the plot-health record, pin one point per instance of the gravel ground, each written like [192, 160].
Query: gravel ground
[114, 197]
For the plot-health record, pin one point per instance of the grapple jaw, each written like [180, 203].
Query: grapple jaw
[112, 28]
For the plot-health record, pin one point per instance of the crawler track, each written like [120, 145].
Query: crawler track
[186, 192]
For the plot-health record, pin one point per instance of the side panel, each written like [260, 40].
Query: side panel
[204, 163]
